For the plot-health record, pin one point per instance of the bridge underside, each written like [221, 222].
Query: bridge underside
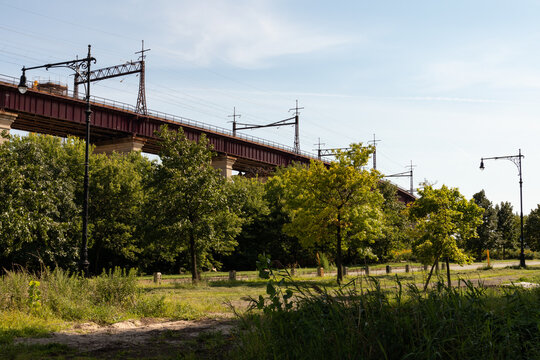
[107, 141]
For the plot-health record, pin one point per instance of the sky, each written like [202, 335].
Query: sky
[439, 83]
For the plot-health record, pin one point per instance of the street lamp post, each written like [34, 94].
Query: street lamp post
[76, 65]
[516, 159]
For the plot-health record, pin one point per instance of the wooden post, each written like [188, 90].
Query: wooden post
[345, 271]
[366, 270]
[388, 269]
[320, 271]
[407, 268]
[232, 275]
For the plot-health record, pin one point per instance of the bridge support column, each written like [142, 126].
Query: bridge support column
[225, 164]
[6, 119]
[122, 146]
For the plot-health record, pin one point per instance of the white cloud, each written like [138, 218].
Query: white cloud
[242, 33]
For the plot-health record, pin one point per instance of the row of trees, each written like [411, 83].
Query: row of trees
[179, 213]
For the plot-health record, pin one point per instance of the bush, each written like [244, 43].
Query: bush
[115, 288]
[402, 255]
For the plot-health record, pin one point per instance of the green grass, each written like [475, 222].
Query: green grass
[368, 322]
[62, 300]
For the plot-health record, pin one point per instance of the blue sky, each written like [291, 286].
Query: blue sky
[439, 83]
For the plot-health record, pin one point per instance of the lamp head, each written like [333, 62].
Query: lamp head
[22, 84]
[482, 164]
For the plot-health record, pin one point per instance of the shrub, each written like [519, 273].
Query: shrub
[402, 255]
[116, 287]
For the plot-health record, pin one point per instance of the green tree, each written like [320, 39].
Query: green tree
[531, 229]
[39, 215]
[443, 220]
[395, 224]
[337, 204]
[506, 227]
[264, 234]
[188, 201]
[487, 231]
[116, 208]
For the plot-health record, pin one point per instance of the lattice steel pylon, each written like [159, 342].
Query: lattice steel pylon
[141, 98]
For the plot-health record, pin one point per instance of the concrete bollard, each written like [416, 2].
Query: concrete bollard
[388, 269]
[320, 271]
[407, 268]
[232, 275]
[366, 270]
[157, 278]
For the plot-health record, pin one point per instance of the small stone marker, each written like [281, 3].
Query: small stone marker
[320, 271]
[388, 269]
[157, 278]
[366, 270]
[407, 268]
[232, 275]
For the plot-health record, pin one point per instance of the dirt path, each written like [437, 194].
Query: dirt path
[139, 339]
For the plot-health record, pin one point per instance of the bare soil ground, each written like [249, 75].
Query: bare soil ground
[149, 338]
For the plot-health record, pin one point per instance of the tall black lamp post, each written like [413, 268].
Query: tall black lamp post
[516, 159]
[76, 65]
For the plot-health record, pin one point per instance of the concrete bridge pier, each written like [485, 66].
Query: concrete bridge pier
[122, 146]
[6, 119]
[224, 163]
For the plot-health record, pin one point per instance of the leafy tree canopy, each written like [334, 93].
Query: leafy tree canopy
[337, 204]
[444, 218]
[188, 202]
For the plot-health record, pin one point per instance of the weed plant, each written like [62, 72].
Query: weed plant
[367, 322]
[34, 304]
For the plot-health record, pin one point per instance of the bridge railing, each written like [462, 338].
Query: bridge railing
[170, 117]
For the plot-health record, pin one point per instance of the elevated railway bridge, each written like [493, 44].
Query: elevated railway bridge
[118, 127]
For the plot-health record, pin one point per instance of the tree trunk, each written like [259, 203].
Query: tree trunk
[504, 250]
[194, 273]
[431, 272]
[448, 271]
[338, 255]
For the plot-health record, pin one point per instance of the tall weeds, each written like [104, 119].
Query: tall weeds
[66, 296]
[358, 322]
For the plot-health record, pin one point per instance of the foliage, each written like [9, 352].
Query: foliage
[279, 299]
[115, 209]
[395, 223]
[39, 216]
[334, 206]
[531, 229]
[444, 219]
[264, 234]
[488, 236]
[116, 287]
[369, 323]
[188, 205]
[506, 227]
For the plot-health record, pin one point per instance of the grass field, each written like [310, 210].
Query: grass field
[61, 301]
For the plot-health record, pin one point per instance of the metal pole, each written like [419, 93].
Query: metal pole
[84, 256]
[522, 254]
